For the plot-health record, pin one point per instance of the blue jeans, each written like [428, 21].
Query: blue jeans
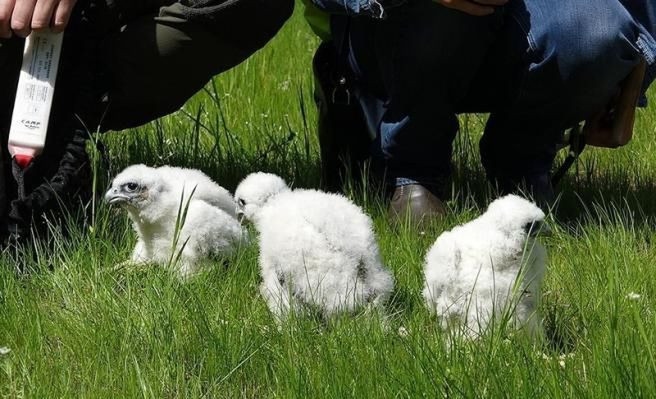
[537, 66]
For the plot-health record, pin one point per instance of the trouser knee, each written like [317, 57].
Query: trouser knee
[592, 50]
[163, 58]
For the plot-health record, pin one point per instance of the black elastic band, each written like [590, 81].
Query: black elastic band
[19, 176]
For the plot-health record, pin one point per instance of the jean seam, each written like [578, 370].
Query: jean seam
[532, 45]
[645, 50]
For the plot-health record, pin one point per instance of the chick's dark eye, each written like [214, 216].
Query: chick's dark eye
[131, 187]
[241, 202]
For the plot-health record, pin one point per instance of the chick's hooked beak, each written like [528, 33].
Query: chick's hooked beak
[241, 216]
[241, 211]
[114, 196]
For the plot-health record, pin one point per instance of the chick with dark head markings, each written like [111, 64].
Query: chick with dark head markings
[153, 198]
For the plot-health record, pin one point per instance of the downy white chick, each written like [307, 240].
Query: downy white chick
[491, 265]
[317, 249]
[153, 198]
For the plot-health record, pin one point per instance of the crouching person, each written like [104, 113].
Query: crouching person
[537, 66]
[124, 63]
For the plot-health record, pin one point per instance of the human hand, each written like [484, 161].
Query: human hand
[23, 16]
[478, 8]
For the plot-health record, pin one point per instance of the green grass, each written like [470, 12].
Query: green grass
[78, 328]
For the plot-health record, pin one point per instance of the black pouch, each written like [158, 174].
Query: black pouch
[343, 134]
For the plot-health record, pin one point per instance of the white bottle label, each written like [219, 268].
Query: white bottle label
[36, 87]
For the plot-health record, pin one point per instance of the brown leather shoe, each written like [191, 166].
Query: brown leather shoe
[417, 203]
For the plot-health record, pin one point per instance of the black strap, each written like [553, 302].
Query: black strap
[3, 188]
[576, 147]
[105, 162]
[342, 75]
[19, 176]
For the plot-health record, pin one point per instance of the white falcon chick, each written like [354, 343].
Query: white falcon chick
[317, 249]
[491, 265]
[152, 198]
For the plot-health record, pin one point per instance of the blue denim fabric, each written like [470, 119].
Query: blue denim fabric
[367, 8]
[538, 66]
[644, 13]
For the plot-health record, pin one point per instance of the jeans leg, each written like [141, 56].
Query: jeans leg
[413, 68]
[575, 56]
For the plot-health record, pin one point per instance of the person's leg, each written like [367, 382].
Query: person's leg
[570, 60]
[162, 58]
[413, 68]
[153, 55]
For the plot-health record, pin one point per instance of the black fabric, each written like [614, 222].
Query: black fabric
[343, 136]
[59, 179]
[263, 17]
[53, 197]
[125, 11]
[83, 81]
[19, 177]
[182, 45]
[10, 63]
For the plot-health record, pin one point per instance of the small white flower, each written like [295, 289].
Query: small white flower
[403, 332]
[632, 296]
[4, 350]
[561, 358]
[284, 85]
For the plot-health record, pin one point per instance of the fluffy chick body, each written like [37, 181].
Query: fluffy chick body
[204, 188]
[316, 249]
[491, 265]
[209, 228]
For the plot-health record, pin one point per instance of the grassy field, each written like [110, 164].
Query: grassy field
[76, 327]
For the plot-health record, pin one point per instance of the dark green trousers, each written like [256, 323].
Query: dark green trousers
[158, 53]
[165, 55]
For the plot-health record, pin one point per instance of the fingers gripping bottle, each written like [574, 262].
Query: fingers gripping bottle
[36, 88]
